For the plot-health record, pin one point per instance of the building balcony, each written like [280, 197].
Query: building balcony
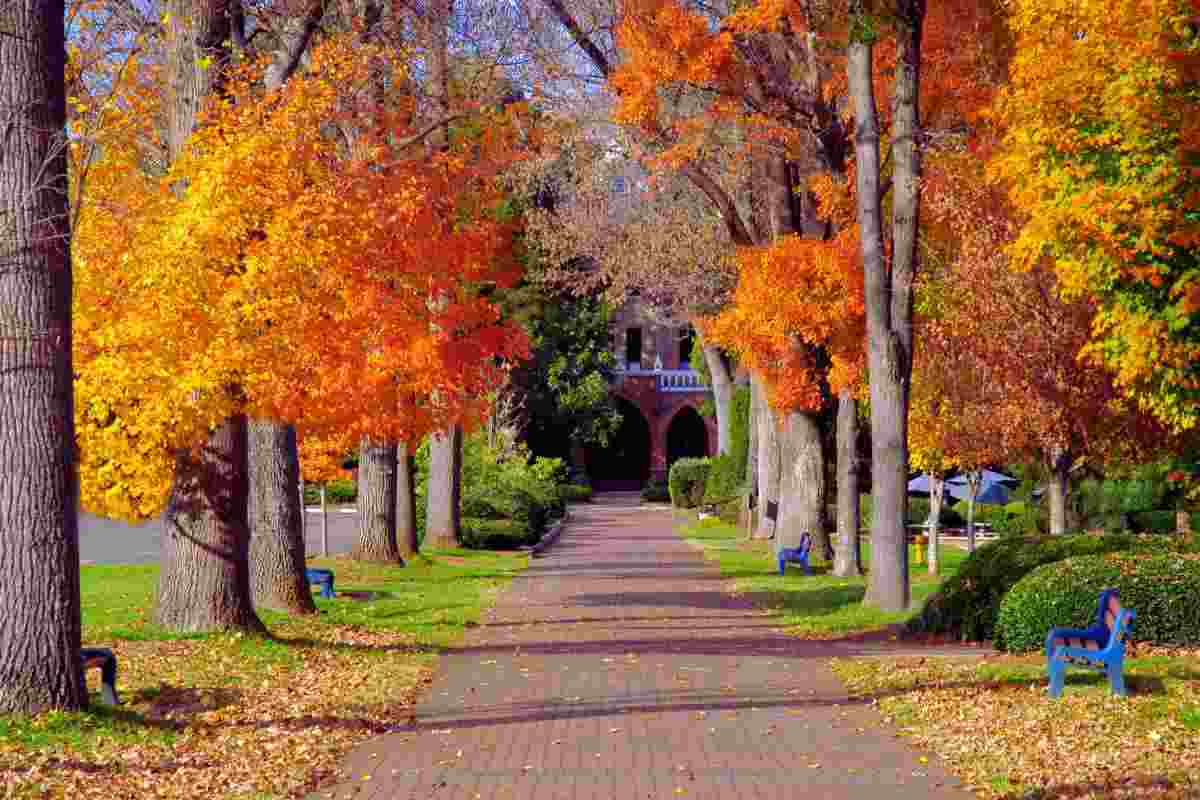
[665, 380]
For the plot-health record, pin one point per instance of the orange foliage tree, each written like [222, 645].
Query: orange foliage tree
[291, 280]
[999, 376]
[1101, 157]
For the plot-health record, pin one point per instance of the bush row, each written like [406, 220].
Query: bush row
[1162, 590]
[968, 603]
[496, 534]
[686, 481]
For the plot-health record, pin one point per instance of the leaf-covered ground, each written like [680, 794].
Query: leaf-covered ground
[227, 716]
[818, 606]
[994, 724]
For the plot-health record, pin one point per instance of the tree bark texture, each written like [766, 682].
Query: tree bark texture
[196, 61]
[377, 503]
[974, 481]
[801, 483]
[847, 558]
[39, 535]
[204, 579]
[406, 503]
[276, 513]
[753, 495]
[722, 386]
[768, 462]
[276, 520]
[937, 494]
[888, 296]
[1059, 490]
[445, 489]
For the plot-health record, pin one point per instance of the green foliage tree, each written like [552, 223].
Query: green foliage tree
[563, 388]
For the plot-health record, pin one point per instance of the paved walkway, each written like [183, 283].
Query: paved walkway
[615, 667]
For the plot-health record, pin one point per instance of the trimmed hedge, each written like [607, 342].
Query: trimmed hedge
[1160, 588]
[575, 493]
[686, 481]
[656, 492]
[495, 534]
[968, 603]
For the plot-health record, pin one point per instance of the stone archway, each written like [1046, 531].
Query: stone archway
[624, 465]
[687, 436]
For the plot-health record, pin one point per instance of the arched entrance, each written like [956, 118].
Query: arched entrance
[687, 436]
[625, 464]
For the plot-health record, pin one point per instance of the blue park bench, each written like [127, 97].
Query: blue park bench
[1101, 646]
[796, 555]
[103, 658]
[322, 578]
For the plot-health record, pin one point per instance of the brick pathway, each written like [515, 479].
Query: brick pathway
[615, 667]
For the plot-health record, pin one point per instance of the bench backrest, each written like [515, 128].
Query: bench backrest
[1115, 618]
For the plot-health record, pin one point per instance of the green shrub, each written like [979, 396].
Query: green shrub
[500, 486]
[656, 492]
[341, 490]
[1160, 588]
[918, 512]
[724, 480]
[686, 481]
[1015, 518]
[1154, 521]
[968, 603]
[495, 534]
[574, 493]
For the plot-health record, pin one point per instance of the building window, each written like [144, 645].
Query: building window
[686, 343]
[618, 184]
[633, 347]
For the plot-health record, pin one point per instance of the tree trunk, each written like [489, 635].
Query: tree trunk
[39, 488]
[1059, 490]
[722, 386]
[937, 494]
[847, 558]
[276, 514]
[768, 462]
[753, 501]
[801, 482]
[973, 482]
[445, 489]
[276, 520]
[888, 293]
[196, 58]
[406, 504]
[377, 504]
[204, 580]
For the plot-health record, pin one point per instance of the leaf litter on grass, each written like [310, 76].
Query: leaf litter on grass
[993, 723]
[231, 716]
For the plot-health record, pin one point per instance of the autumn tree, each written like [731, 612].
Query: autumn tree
[796, 319]
[366, 246]
[1101, 158]
[1001, 379]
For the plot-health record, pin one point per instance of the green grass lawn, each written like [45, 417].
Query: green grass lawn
[247, 716]
[816, 606]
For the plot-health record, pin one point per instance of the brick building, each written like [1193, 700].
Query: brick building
[660, 398]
